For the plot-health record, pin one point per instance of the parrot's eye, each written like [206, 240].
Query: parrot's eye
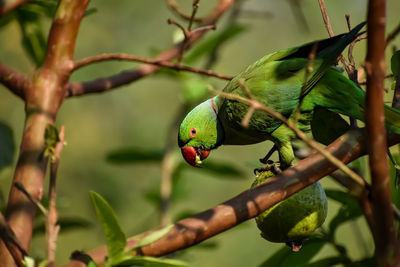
[193, 132]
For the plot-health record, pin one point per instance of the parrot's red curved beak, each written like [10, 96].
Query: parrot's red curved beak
[193, 155]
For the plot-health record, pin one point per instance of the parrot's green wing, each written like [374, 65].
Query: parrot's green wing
[327, 50]
[330, 54]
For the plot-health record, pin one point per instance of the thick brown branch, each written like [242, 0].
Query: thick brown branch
[43, 99]
[13, 80]
[126, 77]
[386, 244]
[167, 64]
[7, 6]
[252, 202]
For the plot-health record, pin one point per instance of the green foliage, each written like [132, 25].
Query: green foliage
[7, 147]
[350, 210]
[116, 240]
[51, 138]
[395, 62]
[150, 261]
[327, 126]
[286, 258]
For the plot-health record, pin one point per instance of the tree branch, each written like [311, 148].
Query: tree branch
[126, 77]
[43, 98]
[386, 244]
[174, 7]
[13, 80]
[250, 203]
[167, 64]
[52, 228]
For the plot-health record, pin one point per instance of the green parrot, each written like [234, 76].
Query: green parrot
[278, 81]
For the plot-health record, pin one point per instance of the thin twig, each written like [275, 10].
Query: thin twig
[52, 228]
[392, 35]
[330, 32]
[186, 32]
[107, 83]
[195, 6]
[13, 80]
[37, 203]
[166, 64]
[172, 4]
[326, 18]
[387, 76]
[300, 134]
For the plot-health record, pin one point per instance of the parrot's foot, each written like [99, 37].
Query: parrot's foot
[270, 166]
[265, 160]
[295, 245]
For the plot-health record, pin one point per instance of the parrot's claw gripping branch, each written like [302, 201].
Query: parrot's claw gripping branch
[275, 167]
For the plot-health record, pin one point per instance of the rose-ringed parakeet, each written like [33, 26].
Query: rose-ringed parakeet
[278, 81]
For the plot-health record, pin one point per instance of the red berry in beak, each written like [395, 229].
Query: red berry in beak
[194, 156]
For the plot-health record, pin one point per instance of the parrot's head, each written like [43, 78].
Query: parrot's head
[200, 132]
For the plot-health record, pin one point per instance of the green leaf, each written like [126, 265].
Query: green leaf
[213, 42]
[152, 237]
[28, 261]
[393, 188]
[116, 240]
[51, 138]
[134, 155]
[65, 224]
[33, 39]
[149, 261]
[341, 197]
[284, 257]
[349, 210]
[328, 262]
[327, 126]
[367, 262]
[394, 62]
[4, 20]
[7, 147]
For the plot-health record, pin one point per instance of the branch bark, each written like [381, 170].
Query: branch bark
[43, 97]
[13, 80]
[386, 245]
[250, 203]
[126, 77]
[167, 64]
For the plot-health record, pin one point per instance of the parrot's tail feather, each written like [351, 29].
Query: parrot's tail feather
[392, 117]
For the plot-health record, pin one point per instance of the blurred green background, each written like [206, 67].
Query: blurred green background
[138, 116]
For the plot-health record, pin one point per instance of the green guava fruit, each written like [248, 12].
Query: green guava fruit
[295, 218]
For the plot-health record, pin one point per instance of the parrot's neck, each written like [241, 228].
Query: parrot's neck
[216, 103]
